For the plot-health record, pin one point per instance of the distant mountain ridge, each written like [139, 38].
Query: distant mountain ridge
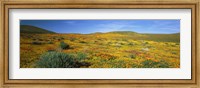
[123, 32]
[174, 37]
[33, 29]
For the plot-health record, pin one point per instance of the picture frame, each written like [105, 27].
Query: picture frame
[12, 83]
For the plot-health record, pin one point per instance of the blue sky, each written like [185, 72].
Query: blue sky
[92, 26]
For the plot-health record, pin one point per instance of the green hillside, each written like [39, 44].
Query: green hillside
[33, 29]
[163, 37]
[152, 37]
[123, 32]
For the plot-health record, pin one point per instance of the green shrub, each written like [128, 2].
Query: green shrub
[146, 43]
[64, 45]
[153, 64]
[34, 39]
[109, 43]
[56, 60]
[81, 56]
[50, 42]
[40, 39]
[117, 63]
[173, 52]
[54, 37]
[61, 60]
[173, 45]
[133, 56]
[163, 64]
[36, 43]
[130, 43]
[72, 39]
[83, 42]
[62, 38]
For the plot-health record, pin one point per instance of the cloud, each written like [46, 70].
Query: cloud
[116, 26]
[165, 26]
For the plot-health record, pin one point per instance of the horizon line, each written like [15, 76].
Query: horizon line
[98, 31]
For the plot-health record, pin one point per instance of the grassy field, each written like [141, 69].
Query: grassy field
[99, 50]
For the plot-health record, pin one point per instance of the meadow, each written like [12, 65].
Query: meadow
[117, 49]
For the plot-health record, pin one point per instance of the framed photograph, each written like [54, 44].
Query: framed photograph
[101, 44]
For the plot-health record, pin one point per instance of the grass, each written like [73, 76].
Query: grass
[102, 50]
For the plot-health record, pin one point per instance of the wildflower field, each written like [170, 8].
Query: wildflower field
[119, 49]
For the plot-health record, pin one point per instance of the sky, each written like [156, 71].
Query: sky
[92, 26]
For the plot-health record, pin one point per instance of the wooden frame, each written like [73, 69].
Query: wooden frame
[5, 81]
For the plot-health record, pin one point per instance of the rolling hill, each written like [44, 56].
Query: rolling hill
[175, 37]
[33, 29]
[127, 34]
[163, 37]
